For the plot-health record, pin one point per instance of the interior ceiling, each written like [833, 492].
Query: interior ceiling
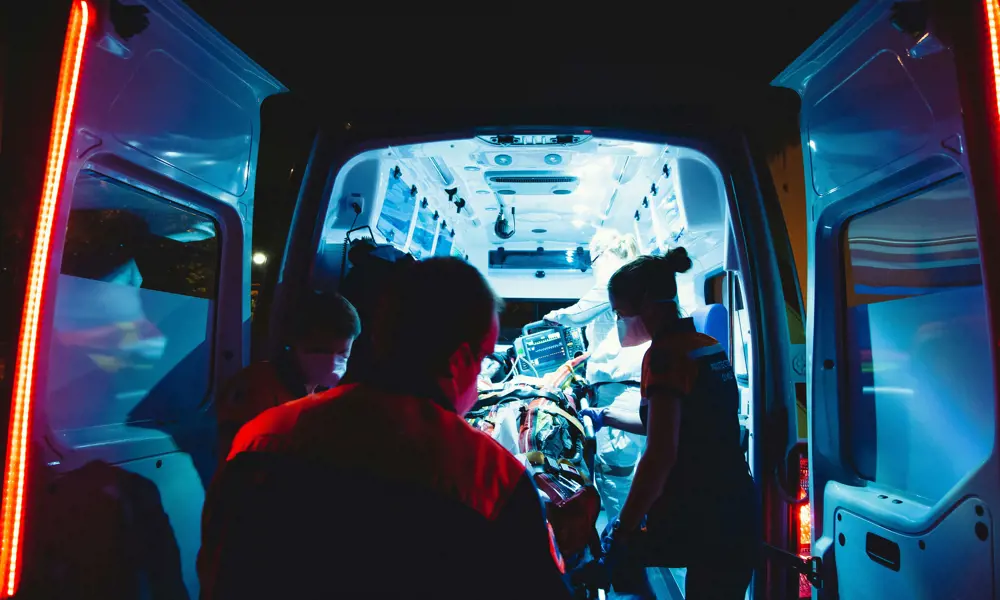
[574, 196]
[707, 52]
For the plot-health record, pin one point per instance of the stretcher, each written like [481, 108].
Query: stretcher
[538, 420]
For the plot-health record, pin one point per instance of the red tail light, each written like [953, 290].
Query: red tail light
[993, 22]
[27, 349]
[802, 523]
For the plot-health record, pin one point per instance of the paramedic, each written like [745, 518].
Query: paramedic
[692, 487]
[372, 266]
[380, 489]
[315, 360]
[612, 371]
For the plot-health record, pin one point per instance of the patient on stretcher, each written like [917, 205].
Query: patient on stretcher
[536, 418]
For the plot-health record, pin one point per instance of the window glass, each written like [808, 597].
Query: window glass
[546, 260]
[397, 212]
[740, 330]
[519, 312]
[444, 242]
[423, 235]
[644, 231]
[134, 309]
[714, 289]
[919, 370]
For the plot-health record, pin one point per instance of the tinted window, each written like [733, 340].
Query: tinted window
[397, 212]
[134, 309]
[518, 313]
[715, 290]
[740, 331]
[920, 379]
[444, 242]
[644, 230]
[547, 260]
[423, 235]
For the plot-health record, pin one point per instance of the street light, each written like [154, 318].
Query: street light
[259, 258]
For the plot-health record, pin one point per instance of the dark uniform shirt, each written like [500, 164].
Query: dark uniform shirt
[364, 492]
[253, 390]
[710, 496]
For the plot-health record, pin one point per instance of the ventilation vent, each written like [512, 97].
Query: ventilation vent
[532, 183]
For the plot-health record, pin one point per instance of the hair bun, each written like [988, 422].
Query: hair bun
[678, 260]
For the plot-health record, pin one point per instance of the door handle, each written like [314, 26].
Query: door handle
[884, 552]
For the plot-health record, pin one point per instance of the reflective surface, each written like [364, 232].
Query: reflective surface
[921, 384]
[134, 312]
[846, 143]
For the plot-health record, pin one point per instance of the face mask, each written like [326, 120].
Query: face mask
[320, 369]
[339, 366]
[632, 331]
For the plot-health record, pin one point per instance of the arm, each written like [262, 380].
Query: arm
[663, 431]
[524, 539]
[593, 304]
[627, 421]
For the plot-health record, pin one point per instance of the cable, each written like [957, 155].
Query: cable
[533, 369]
[347, 242]
[510, 374]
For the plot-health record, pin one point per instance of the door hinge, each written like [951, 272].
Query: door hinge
[811, 567]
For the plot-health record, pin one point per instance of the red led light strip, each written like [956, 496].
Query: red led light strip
[992, 15]
[27, 349]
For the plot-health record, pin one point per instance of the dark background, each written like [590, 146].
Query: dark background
[473, 56]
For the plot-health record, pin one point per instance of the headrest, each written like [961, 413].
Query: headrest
[712, 320]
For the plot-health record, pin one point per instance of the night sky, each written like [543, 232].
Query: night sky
[479, 55]
[705, 52]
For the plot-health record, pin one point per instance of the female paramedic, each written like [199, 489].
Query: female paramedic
[612, 371]
[693, 503]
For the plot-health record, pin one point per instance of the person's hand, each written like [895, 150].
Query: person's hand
[550, 319]
[596, 416]
[614, 544]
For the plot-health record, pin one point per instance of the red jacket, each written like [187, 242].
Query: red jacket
[362, 492]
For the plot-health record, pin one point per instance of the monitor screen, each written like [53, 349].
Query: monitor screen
[545, 351]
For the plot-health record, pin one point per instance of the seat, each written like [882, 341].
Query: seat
[713, 320]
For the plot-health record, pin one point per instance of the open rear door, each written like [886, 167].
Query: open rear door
[903, 264]
[137, 301]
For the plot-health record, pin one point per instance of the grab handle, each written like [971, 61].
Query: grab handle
[536, 326]
[884, 552]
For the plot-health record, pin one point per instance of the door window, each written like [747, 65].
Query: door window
[919, 371]
[134, 309]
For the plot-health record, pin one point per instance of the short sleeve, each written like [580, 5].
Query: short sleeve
[666, 371]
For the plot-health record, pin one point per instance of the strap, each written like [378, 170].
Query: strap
[555, 410]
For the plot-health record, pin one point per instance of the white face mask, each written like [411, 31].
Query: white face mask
[322, 369]
[340, 366]
[632, 331]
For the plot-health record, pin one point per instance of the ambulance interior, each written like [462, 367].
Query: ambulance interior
[523, 210]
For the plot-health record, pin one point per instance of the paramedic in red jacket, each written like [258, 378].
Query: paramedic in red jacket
[380, 489]
[323, 334]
